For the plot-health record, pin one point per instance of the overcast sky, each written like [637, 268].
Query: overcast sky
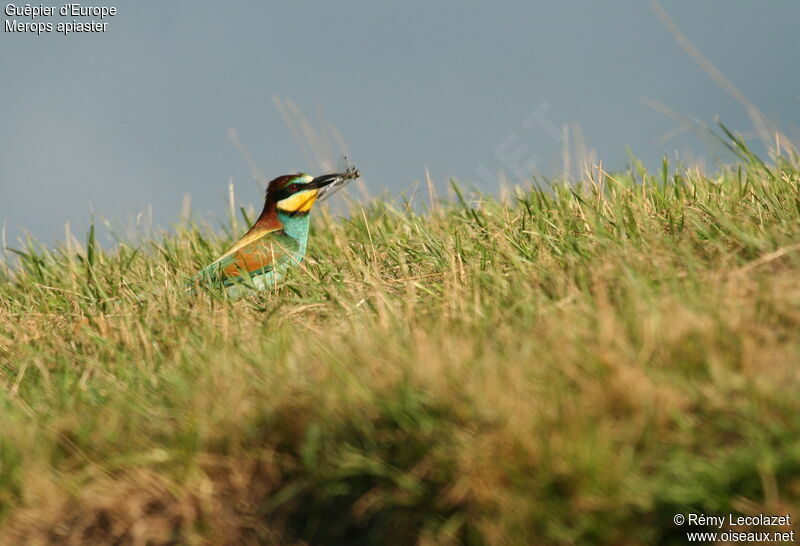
[139, 115]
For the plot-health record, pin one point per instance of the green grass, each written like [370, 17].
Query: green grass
[575, 365]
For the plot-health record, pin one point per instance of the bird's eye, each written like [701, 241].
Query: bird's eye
[294, 187]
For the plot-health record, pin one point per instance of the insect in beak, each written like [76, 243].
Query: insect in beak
[329, 184]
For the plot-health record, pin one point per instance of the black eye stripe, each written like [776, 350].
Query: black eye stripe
[288, 191]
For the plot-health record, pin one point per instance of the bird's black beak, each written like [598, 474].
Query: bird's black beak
[324, 180]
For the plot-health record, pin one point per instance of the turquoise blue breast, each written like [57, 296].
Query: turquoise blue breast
[296, 227]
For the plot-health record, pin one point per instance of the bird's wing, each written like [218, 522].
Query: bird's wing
[255, 254]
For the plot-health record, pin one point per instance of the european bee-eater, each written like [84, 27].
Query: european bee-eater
[278, 238]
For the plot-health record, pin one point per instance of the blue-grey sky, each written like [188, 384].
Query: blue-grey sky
[139, 115]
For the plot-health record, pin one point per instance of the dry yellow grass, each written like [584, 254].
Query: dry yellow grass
[575, 366]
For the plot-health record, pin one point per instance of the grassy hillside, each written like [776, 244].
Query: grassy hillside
[570, 366]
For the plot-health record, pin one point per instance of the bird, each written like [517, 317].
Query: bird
[277, 240]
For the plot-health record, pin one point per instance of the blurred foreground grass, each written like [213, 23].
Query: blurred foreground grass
[575, 365]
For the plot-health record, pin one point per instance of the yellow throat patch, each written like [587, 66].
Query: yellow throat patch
[301, 201]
